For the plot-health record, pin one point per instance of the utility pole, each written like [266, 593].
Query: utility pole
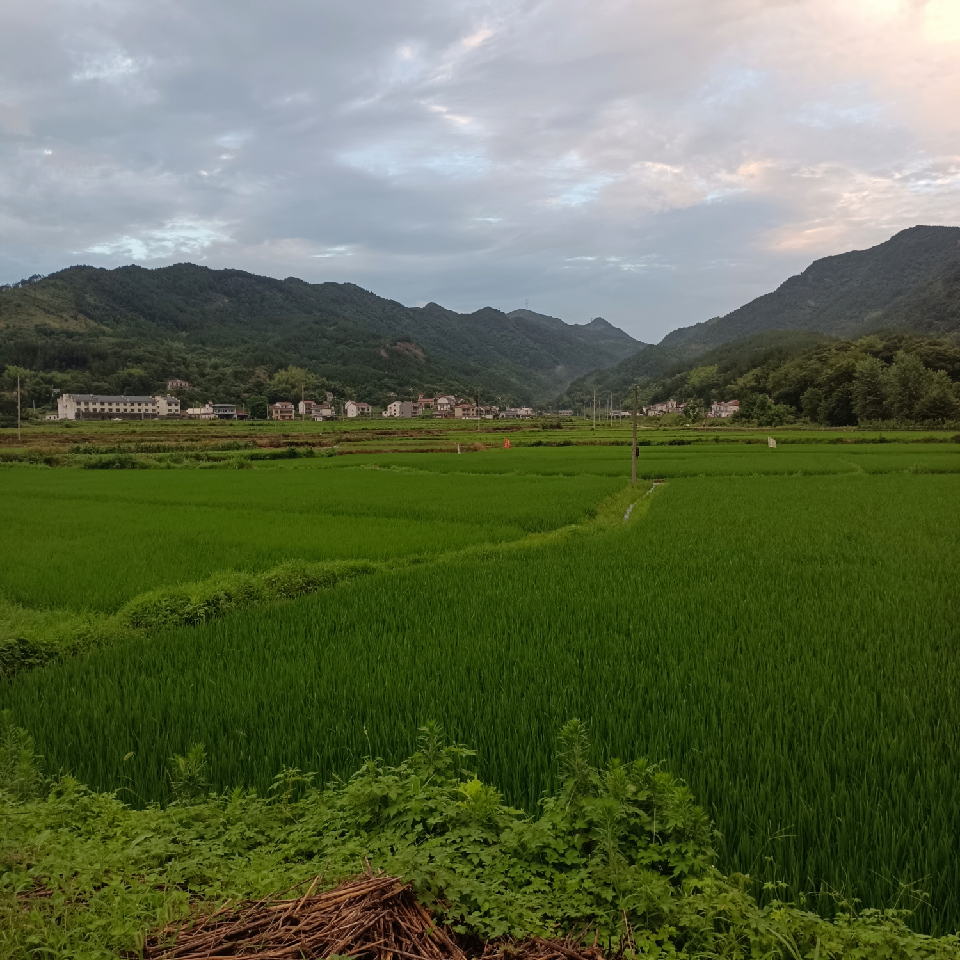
[18, 409]
[303, 411]
[594, 409]
[633, 474]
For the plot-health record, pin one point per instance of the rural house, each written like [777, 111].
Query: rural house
[726, 408]
[323, 411]
[401, 408]
[281, 410]
[354, 408]
[213, 411]
[658, 409]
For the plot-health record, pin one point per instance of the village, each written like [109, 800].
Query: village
[78, 406]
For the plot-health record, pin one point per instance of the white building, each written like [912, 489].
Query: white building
[354, 408]
[213, 411]
[515, 413]
[401, 408]
[445, 405]
[658, 409]
[88, 406]
[323, 411]
[725, 408]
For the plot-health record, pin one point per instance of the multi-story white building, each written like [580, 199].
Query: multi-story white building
[200, 413]
[401, 408]
[725, 408]
[88, 406]
[213, 411]
[167, 407]
[514, 413]
[282, 410]
[354, 408]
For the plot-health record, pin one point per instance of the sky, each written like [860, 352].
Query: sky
[654, 162]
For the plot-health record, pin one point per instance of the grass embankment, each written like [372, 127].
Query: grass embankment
[621, 855]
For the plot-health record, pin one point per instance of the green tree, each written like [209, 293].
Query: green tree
[133, 381]
[695, 410]
[289, 383]
[703, 382]
[869, 390]
[810, 403]
[258, 408]
[907, 384]
[941, 401]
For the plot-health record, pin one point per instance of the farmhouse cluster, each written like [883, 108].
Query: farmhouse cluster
[441, 407]
[327, 410]
[77, 406]
[449, 407]
[724, 408]
[82, 406]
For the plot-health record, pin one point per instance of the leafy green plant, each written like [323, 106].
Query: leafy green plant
[20, 775]
[628, 863]
[188, 773]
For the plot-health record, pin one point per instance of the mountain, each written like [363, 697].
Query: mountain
[226, 329]
[909, 283]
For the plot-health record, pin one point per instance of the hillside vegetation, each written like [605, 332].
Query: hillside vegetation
[909, 283]
[228, 332]
[782, 378]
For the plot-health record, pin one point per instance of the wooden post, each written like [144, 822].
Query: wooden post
[18, 409]
[633, 473]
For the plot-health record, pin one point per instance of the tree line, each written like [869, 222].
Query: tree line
[880, 378]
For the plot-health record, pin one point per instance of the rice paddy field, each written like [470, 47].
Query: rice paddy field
[778, 627]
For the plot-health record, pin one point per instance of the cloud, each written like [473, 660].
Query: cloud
[656, 163]
[174, 239]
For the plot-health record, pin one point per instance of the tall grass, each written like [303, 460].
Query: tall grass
[787, 643]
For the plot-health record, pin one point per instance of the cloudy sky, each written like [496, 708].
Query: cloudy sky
[656, 162]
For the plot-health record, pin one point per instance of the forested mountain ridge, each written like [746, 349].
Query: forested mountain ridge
[227, 330]
[910, 283]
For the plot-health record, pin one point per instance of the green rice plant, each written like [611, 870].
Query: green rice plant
[93, 541]
[786, 642]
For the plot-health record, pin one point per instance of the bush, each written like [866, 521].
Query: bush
[619, 855]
